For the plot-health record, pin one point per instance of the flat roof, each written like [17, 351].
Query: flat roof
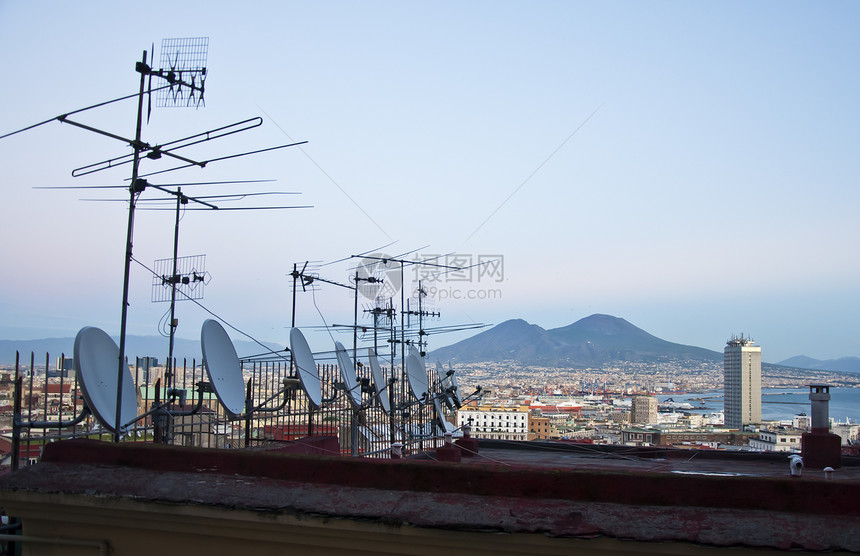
[634, 459]
[553, 489]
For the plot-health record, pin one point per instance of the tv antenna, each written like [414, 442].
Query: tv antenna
[181, 82]
[183, 63]
[191, 279]
[185, 275]
[378, 276]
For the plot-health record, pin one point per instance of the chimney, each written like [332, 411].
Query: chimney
[819, 398]
[821, 448]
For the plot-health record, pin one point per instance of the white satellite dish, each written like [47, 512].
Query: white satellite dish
[379, 382]
[416, 374]
[446, 426]
[439, 413]
[347, 372]
[306, 367]
[97, 366]
[223, 367]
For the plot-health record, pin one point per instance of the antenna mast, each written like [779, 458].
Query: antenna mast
[190, 59]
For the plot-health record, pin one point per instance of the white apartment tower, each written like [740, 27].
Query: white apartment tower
[741, 383]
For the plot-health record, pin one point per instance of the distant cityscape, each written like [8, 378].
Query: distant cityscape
[595, 381]
[616, 404]
[525, 402]
[632, 377]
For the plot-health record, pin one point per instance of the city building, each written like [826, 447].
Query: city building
[541, 428]
[690, 421]
[779, 440]
[500, 423]
[801, 421]
[640, 436]
[65, 364]
[848, 432]
[741, 383]
[643, 410]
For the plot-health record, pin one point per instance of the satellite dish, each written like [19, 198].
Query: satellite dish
[416, 374]
[96, 364]
[444, 383]
[455, 385]
[439, 414]
[223, 367]
[347, 371]
[440, 372]
[445, 425]
[306, 367]
[379, 382]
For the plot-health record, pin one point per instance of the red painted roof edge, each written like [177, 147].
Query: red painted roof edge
[622, 487]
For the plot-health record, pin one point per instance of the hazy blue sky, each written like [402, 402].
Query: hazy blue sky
[691, 167]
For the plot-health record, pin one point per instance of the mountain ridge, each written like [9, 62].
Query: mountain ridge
[841, 365]
[593, 340]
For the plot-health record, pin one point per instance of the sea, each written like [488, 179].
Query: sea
[778, 403]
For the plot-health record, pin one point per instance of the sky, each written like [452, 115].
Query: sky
[690, 167]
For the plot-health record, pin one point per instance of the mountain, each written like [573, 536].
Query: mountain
[136, 346]
[591, 341]
[513, 339]
[842, 365]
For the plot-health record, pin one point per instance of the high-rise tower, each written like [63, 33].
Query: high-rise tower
[741, 383]
[643, 410]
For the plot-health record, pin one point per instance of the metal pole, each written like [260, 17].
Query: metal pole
[392, 395]
[173, 278]
[295, 276]
[403, 393]
[353, 426]
[248, 406]
[62, 376]
[143, 69]
[355, 325]
[16, 418]
[45, 390]
[420, 320]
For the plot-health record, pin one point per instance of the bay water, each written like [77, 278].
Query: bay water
[778, 403]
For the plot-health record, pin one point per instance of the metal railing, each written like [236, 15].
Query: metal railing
[49, 406]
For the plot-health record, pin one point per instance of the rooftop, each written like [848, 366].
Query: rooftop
[558, 496]
[676, 461]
